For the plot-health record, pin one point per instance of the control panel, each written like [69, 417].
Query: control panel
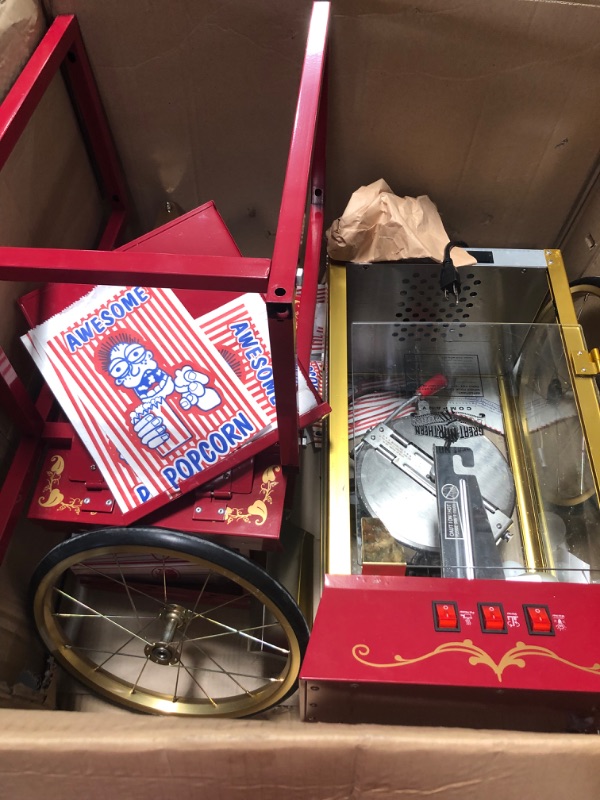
[452, 632]
[492, 618]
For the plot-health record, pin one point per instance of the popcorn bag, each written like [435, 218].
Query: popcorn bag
[240, 332]
[150, 396]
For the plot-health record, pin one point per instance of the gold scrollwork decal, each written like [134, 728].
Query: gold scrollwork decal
[258, 508]
[515, 657]
[51, 494]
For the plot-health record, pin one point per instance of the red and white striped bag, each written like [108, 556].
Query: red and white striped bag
[147, 392]
[240, 332]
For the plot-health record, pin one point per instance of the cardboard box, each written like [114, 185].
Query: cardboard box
[488, 107]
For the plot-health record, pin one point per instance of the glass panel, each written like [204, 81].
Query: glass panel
[467, 454]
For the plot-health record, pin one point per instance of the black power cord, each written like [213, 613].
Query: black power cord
[449, 280]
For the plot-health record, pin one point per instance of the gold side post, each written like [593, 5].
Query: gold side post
[338, 558]
[584, 388]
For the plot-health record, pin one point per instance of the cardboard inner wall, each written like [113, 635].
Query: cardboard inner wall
[488, 107]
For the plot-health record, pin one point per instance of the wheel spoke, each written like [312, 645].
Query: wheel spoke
[583, 302]
[264, 616]
[204, 585]
[215, 705]
[226, 603]
[98, 614]
[102, 652]
[176, 681]
[221, 669]
[126, 587]
[243, 634]
[241, 630]
[137, 680]
[95, 616]
[239, 674]
[132, 588]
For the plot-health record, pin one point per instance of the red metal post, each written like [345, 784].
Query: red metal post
[96, 132]
[15, 400]
[29, 88]
[282, 279]
[314, 237]
[111, 232]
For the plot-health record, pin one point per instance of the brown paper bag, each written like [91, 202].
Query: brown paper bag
[377, 225]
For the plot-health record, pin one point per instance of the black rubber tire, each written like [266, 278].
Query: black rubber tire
[590, 281]
[186, 545]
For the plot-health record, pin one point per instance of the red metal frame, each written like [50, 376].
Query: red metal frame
[111, 267]
[62, 46]
[280, 293]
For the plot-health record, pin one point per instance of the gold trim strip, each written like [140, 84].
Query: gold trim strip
[338, 551]
[586, 395]
[527, 504]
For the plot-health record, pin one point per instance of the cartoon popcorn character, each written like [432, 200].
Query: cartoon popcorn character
[156, 420]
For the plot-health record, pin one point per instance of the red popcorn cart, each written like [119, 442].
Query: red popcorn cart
[458, 501]
[165, 437]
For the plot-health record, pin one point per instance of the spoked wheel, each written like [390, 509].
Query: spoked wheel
[168, 623]
[585, 294]
[586, 300]
[565, 484]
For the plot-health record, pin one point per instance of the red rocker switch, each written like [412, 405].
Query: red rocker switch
[492, 618]
[538, 620]
[445, 616]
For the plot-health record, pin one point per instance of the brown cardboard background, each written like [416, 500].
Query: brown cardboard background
[48, 196]
[488, 106]
[581, 246]
[21, 27]
[201, 99]
[484, 146]
[23, 660]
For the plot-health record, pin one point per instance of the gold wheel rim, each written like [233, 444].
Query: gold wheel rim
[150, 701]
[545, 314]
[548, 310]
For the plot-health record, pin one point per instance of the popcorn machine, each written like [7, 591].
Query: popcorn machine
[463, 510]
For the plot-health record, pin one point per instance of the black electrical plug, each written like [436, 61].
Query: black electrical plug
[449, 280]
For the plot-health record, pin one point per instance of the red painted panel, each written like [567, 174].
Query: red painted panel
[378, 630]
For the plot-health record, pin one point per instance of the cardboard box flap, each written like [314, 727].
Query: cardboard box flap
[45, 755]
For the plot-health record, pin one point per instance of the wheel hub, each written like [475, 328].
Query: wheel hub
[165, 651]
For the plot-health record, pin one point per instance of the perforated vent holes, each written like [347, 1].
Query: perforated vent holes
[420, 300]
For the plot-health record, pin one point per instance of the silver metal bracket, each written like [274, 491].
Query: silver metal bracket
[419, 466]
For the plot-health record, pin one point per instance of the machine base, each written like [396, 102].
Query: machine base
[479, 653]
